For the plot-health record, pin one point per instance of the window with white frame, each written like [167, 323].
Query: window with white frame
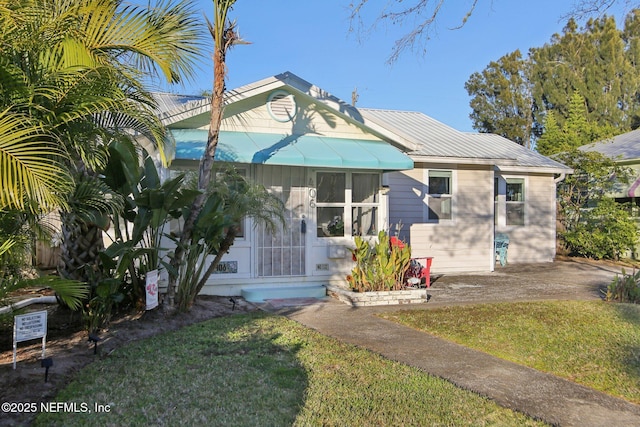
[347, 204]
[515, 201]
[364, 204]
[440, 195]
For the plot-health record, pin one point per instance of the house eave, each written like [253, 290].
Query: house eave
[533, 169]
[462, 160]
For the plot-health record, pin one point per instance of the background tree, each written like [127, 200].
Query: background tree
[592, 62]
[596, 63]
[593, 225]
[575, 132]
[502, 101]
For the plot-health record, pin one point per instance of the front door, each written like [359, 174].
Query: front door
[283, 253]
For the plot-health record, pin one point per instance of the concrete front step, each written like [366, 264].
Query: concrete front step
[280, 292]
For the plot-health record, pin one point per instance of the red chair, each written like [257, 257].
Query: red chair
[419, 271]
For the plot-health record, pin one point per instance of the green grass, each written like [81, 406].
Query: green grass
[265, 370]
[593, 343]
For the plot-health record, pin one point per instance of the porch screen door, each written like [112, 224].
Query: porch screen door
[283, 253]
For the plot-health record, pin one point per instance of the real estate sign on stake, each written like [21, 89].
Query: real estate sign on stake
[152, 289]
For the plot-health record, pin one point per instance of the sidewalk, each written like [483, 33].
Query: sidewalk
[542, 396]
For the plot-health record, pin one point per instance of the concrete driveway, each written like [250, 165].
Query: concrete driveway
[566, 279]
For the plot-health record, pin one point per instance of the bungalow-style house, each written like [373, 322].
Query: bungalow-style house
[343, 171]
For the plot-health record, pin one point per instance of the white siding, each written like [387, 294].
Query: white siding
[463, 244]
[406, 200]
[252, 115]
[536, 241]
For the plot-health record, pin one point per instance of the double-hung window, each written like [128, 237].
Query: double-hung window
[440, 195]
[347, 204]
[364, 204]
[515, 201]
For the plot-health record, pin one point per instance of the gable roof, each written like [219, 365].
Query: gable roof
[620, 147]
[420, 136]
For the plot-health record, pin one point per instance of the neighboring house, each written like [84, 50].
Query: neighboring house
[625, 150]
[343, 171]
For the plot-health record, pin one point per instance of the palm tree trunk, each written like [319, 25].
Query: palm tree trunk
[206, 166]
[80, 249]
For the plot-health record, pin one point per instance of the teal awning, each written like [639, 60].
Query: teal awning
[292, 150]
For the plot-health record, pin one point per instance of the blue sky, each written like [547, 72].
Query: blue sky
[311, 39]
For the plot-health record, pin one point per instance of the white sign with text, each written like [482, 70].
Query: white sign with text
[27, 327]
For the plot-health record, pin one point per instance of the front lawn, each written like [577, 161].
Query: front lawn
[593, 343]
[259, 369]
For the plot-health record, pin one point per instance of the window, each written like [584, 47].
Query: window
[515, 201]
[364, 204]
[347, 204]
[440, 195]
[331, 203]
[222, 172]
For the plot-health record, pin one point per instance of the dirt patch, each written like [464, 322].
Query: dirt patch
[68, 346]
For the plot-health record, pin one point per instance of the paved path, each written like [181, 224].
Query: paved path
[542, 396]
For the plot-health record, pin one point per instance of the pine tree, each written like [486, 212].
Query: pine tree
[575, 132]
[553, 139]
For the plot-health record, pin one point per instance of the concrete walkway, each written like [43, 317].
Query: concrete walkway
[542, 396]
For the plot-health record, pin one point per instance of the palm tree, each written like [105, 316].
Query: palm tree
[230, 197]
[225, 35]
[77, 68]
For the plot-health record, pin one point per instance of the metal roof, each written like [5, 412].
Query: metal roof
[427, 137]
[524, 156]
[621, 147]
[170, 101]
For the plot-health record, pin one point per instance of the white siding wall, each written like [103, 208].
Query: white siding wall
[463, 244]
[536, 241]
[253, 114]
[406, 200]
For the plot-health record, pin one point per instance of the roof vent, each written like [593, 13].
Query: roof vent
[281, 106]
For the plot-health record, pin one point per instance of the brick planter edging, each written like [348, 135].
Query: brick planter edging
[363, 299]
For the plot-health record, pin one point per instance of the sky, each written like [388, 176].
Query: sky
[311, 38]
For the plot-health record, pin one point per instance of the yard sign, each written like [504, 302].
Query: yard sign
[152, 289]
[29, 327]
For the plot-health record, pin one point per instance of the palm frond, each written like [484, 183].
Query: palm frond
[71, 292]
[31, 167]
[164, 39]
[93, 199]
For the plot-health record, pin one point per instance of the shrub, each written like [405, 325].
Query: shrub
[625, 288]
[379, 267]
[605, 232]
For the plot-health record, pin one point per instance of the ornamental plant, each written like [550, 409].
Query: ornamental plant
[624, 288]
[380, 266]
